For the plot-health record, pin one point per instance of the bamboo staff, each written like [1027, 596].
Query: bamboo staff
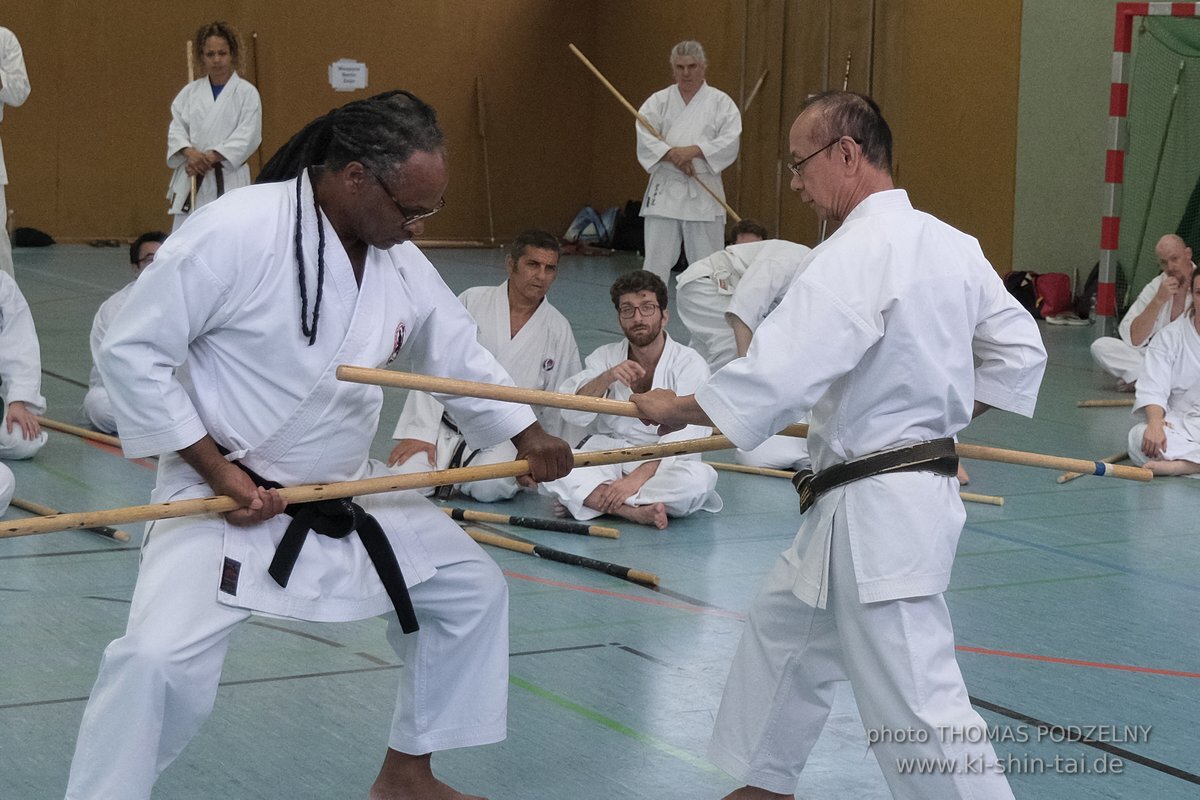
[257, 85]
[536, 523]
[600, 405]
[329, 491]
[647, 125]
[550, 554]
[969, 497]
[754, 92]
[45, 511]
[1114, 402]
[191, 61]
[487, 173]
[1115, 458]
[83, 433]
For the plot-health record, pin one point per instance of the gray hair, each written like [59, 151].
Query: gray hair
[686, 48]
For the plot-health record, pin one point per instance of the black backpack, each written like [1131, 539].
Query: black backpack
[629, 232]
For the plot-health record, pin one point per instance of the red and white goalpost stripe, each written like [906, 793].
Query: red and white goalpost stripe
[1114, 162]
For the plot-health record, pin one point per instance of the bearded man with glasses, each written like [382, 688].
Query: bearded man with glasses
[650, 491]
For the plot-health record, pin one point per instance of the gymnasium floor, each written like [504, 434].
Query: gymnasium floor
[1074, 607]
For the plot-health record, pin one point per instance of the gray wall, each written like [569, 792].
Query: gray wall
[1062, 125]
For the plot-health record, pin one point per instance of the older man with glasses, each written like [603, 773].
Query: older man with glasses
[896, 334]
[650, 491]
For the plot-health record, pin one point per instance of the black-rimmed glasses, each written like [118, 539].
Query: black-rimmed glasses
[645, 310]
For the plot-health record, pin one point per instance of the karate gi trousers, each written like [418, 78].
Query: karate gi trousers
[665, 235]
[157, 683]
[1117, 358]
[899, 658]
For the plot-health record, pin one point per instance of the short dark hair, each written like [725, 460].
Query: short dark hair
[854, 115]
[379, 132]
[135, 249]
[751, 226]
[223, 30]
[639, 281]
[533, 238]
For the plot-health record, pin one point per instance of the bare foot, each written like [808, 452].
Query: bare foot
[560, 510]
[1174, 467]
[754, 793]
[654, 515]
[407, 777]
[963, 477]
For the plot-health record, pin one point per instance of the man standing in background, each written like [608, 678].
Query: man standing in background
[14, 88]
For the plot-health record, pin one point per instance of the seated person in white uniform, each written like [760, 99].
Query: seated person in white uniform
[96, 403]
[21, 436]
[1168, 442]
[650, 491]
[530, 339]
[1162, 301]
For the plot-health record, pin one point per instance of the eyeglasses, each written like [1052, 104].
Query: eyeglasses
[796, 166]
[145, 260]
[645, 310]
[409, 217]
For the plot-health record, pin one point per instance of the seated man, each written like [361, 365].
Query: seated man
[650, 491]
[21, 436]
[1168, 442]
[530, 339]
[1162, 301]
[96, 404]
[706, 288]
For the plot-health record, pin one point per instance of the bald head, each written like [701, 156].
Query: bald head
[1174, 258]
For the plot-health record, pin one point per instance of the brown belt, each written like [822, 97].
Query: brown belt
[936, 455]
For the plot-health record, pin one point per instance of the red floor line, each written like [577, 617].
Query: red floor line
[1079, 663]
[716, 612]
[148, 463]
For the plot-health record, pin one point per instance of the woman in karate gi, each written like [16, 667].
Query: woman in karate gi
[216, 125]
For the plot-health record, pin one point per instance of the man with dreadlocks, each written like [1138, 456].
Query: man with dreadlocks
[263, 293]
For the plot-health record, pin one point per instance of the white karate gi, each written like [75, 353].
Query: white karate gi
[96, 403]
[222, 293]
[20, 369]
[675, 208]
[1121, 357]
[910, 303]
[1171, 380]
[540, 356]
[683, 484]
[13, 92]
[231, 125]
[756, 295]
[703, 292]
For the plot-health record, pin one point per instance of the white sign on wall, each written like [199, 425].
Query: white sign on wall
[346, 75]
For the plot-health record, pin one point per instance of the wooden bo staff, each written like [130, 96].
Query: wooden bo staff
[487, 172]
[550, 554]
[624, 408]
[330, 491]
[83, 433]
[647, 125]
[970, 497]
[45, 511]
[535, 523]
[1113, 459]
[191, 62]
[1114, 402]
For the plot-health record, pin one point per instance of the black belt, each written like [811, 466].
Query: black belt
[936, 456]
[337, 519]
[446, 491]
[218, 174]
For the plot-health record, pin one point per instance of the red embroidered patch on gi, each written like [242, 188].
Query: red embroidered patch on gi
[397, 342]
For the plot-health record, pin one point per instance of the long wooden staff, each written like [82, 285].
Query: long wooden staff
[257, 85]
[45, 511]
[487, 172]
[1115, 458]
[191, 61]
[649, 126]
[967, 497]
[535, 523]
[83, 433]
[329, 491]
[754, 92]
[550, 554]
[1110, 402]
[600, 405]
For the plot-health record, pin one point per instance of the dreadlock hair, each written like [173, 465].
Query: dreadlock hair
[380, 132]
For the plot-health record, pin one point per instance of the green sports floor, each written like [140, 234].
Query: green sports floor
[1075, 608]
